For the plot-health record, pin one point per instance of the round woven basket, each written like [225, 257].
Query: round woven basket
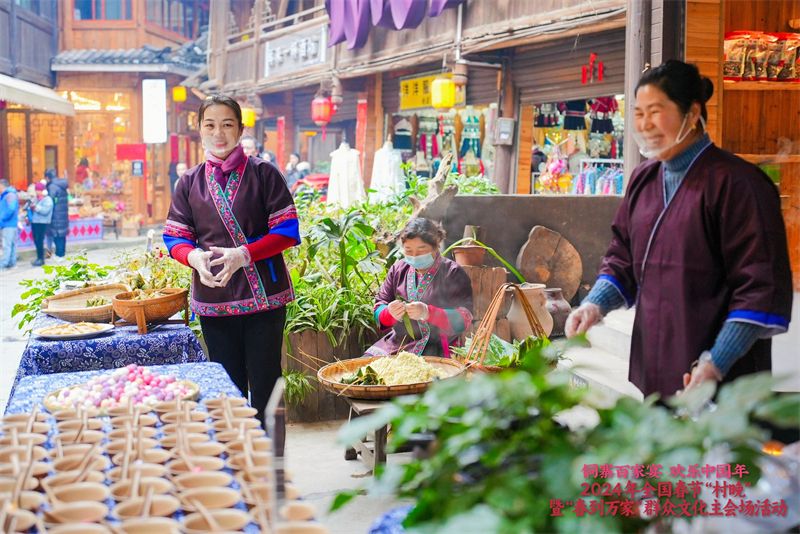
[71, 305]
[152, 310]
[330, 377]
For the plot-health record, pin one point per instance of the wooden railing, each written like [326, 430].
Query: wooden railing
[267, 28]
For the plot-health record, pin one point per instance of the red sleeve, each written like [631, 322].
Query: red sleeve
[180, 252]
[386, 319]
[268, 246]
[438, 318]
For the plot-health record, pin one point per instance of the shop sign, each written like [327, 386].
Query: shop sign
[154, 111]
[415, 92]
[137, 167]
[295, 52]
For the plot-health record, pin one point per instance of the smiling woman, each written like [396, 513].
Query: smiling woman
[230, 220]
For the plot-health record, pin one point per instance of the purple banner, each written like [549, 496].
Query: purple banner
[351, 20]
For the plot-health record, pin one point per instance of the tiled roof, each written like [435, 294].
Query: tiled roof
[191, 55]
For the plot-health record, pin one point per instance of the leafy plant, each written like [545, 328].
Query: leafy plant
[77, 268]
[490, 250]
[500, 454]
[154, 269]
[297, 386]
[501, 353]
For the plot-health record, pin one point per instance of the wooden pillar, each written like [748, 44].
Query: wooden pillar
[504, 154]
[637, 57]
[28, 148]
[69, 133]
[4, 144]
[375, 136]
[525, 144]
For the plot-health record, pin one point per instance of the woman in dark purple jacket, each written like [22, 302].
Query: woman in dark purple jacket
[699, 248]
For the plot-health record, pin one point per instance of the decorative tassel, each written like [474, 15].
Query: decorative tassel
[584, 74]
[600, 71]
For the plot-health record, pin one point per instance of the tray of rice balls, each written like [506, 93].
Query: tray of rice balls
[384, 377]
[135, 451]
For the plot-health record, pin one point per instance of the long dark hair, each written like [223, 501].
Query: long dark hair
[222, 100]
[431, 232]
[681, 82]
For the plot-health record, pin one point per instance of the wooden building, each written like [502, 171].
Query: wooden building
[33, 118]
[108, 50]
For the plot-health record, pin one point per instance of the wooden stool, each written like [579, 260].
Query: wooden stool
[371, 456]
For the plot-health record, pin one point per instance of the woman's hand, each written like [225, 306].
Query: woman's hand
[417, 311]
[704, 371]
[582, 319]
[231, 259]
[199, 260]
[397, 308]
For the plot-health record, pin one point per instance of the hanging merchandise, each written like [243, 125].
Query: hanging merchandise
[402, 135]
[575, 115]
[599, 177]
[470, 165]
[470, 133]
[488, 148]
[601, 110]
[345, 186]
[387, 174]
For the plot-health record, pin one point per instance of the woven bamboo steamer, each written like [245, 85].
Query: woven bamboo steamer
[330, 377]
[140, 312]
[71, 305]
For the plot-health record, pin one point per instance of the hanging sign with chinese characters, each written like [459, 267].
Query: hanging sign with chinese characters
[415, 92]
[295, 52]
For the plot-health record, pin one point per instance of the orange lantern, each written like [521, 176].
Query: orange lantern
[248, 117]
[443, 93]
[179, 93]
[321, 111]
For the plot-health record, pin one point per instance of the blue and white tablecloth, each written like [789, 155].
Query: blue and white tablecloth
[168, 344]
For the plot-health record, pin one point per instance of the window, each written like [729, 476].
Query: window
[186, 17]
[43, 8]
[102, 10]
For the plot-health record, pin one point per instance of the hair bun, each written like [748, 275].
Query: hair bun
[708, 89]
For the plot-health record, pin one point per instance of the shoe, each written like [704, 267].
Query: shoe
[37, 262]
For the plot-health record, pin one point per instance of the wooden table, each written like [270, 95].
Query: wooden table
[376, 453]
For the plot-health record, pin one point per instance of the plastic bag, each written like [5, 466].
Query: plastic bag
[735, 49]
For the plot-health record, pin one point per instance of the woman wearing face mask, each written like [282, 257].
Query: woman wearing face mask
[434, 291]
[230, 219]
[699, 246]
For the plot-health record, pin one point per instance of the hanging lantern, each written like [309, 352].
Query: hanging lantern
[321, 111]
[179, 93]
[248, 117]
[443, 93]
[336, 94]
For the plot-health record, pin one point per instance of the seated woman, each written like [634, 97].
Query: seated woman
[434, 291]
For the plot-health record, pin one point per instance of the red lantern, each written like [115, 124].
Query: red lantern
[321, 111]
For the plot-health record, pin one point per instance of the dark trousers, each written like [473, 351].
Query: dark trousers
[61, 245]
[249, 347]
[39, 231]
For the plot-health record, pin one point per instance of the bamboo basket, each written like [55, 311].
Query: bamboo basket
[330, 377]
[71, 305]
[159, 309]
[480, 339]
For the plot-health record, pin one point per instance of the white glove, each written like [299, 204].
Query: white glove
[397, 308]
[231, 259]
[417, 311]
[582, 319]
[199, 260]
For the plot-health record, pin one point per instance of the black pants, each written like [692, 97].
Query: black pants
[61, 245]
[249, 347]
[39, 231]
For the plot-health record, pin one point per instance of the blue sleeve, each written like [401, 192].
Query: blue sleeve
[734, 340]
[606, 296]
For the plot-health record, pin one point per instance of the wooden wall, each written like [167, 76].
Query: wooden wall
[760, 122]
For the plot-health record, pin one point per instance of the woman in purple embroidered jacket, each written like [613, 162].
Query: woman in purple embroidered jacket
[434, 291]
[699, 246]
[230, 219]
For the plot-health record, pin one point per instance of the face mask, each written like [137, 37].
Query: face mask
[424, 261]
[651, 152]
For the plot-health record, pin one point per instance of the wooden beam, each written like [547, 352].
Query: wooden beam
[637, 56]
